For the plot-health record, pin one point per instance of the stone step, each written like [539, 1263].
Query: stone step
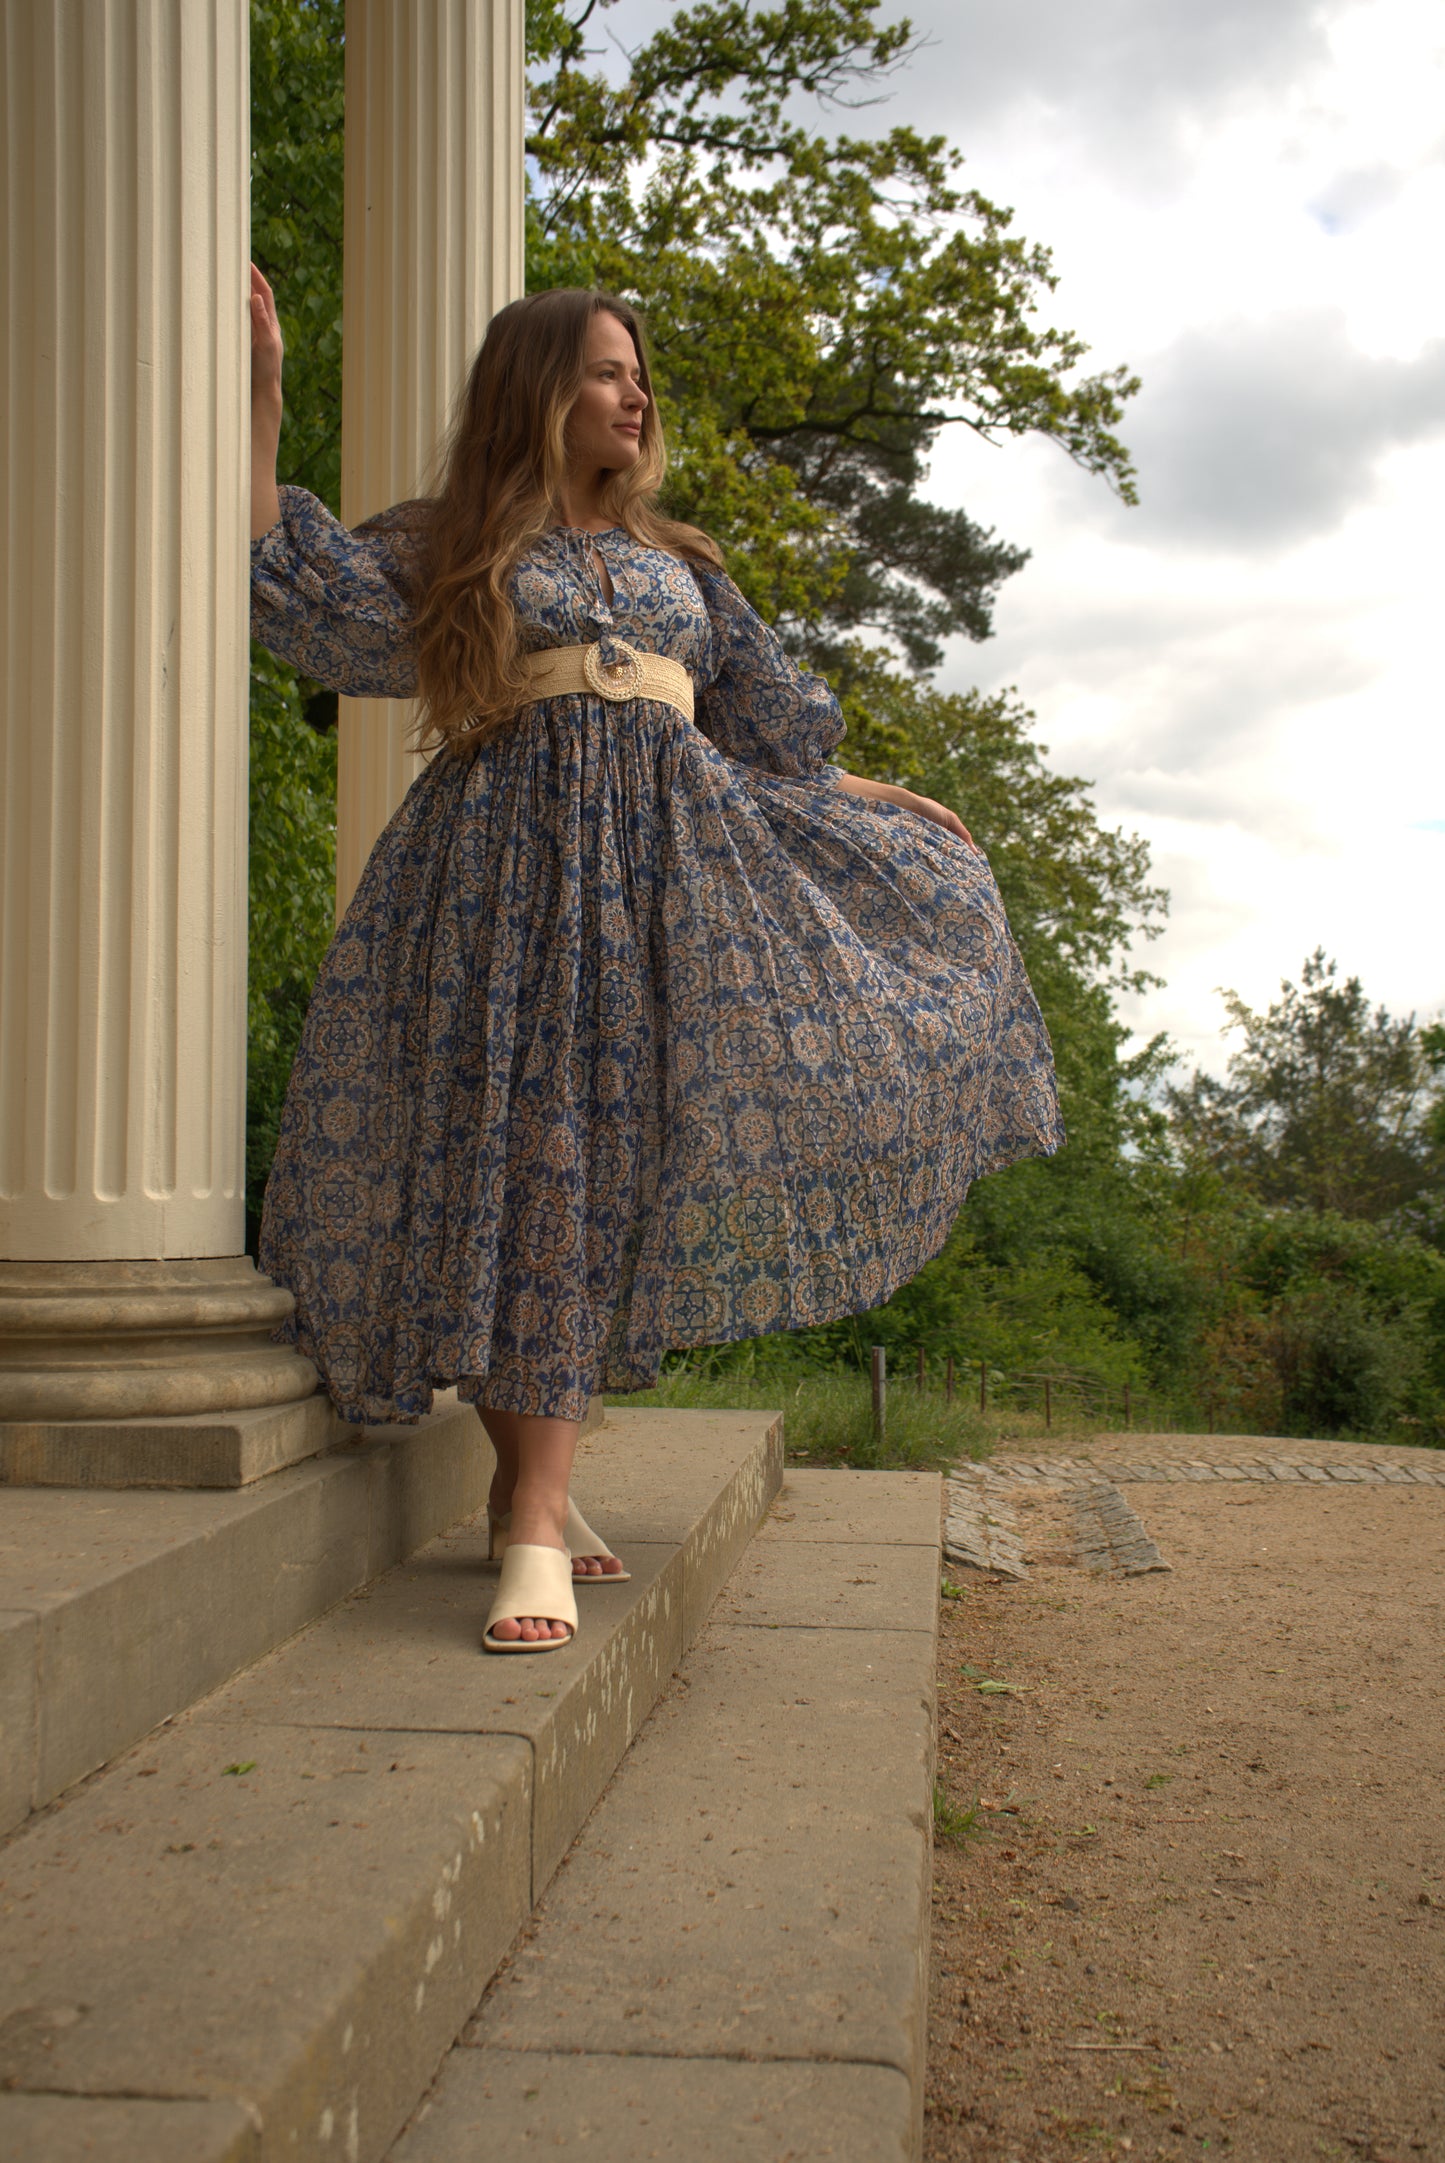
[256, 1934]
[731, 1964]
[118, 1608]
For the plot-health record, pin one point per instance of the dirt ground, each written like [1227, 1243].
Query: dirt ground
[1202, 1908]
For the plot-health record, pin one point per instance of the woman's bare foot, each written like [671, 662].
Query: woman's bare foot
[499, 1502]
[534, 1465]
[597, 1566]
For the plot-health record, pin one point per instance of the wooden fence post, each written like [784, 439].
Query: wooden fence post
[880, 1394]
[983, 1385]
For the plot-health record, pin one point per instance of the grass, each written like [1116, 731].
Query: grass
[955, 1827]
[828, 1413]
[828, 1416]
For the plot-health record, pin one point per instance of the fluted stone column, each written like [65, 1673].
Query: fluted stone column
[123, 1287]
[433, 248]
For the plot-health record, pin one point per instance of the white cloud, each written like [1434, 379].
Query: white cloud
[1247, 666]
[1349, 198]
[1127, 84]
[1253, 434]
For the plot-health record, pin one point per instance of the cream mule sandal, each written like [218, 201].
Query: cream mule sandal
[535, 1581]
[581, 1541]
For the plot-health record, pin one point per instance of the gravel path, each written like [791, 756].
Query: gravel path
[1201, 1908]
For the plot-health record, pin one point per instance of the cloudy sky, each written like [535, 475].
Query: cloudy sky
[1246, 203]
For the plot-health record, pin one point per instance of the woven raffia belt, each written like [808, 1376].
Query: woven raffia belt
[559, 671]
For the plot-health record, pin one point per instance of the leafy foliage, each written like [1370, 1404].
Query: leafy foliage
[1327, 1106]
[820, 307]
[297, 98]
[292, 892]
[1329, 1327]
[297, 110]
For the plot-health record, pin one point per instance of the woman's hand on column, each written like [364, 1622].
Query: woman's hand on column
[266, 345]
[886, 792]
[267, 351]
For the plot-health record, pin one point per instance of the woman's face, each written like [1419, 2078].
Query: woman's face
[604, 427]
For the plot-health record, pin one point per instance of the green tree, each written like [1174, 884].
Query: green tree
[297, 112]
[820, 307]
[820, 310]
[292, 899]
[297, 97]
[1327, 1326]
[1327, 1104]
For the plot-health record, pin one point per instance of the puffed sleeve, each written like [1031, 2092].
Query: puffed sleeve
[759, 707]
[334, 602]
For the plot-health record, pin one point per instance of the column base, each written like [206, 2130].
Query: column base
[228, 1449]
[143, 1340]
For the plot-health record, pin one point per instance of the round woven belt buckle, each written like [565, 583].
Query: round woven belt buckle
[623, 679]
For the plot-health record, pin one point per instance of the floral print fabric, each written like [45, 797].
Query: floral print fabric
[638, 1032]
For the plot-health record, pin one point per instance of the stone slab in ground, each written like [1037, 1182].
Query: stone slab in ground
[653, 2110]
[808, 1585]
[879, 1509]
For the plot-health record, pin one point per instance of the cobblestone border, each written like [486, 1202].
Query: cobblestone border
[980, 1530]
[1112, 1541]
[1065, 1471]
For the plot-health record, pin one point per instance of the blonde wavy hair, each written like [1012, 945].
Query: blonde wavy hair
[501, 471]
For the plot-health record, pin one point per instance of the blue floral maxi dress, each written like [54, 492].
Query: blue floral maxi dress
[639, 1032]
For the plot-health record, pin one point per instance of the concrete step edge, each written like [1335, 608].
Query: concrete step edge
[732, 1961]
[100, 1588]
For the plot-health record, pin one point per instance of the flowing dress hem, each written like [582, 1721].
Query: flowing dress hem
[506, 1388]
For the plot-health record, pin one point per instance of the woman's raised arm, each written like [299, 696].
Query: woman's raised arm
[334, 604]
[266, 357]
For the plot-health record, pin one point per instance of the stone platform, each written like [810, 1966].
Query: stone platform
[255, 1931]
[731, 1963]
[261, 1930]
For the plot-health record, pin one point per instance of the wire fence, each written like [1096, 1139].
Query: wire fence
[1055, 1392]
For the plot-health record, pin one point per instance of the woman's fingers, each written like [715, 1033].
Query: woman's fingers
[942, 816]
[266, 343]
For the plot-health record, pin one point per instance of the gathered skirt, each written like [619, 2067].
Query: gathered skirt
[624, 1046]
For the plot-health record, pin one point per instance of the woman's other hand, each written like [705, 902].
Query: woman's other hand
[267, 349]
[924, 807]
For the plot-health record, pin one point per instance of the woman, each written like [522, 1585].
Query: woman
[647, 1026]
